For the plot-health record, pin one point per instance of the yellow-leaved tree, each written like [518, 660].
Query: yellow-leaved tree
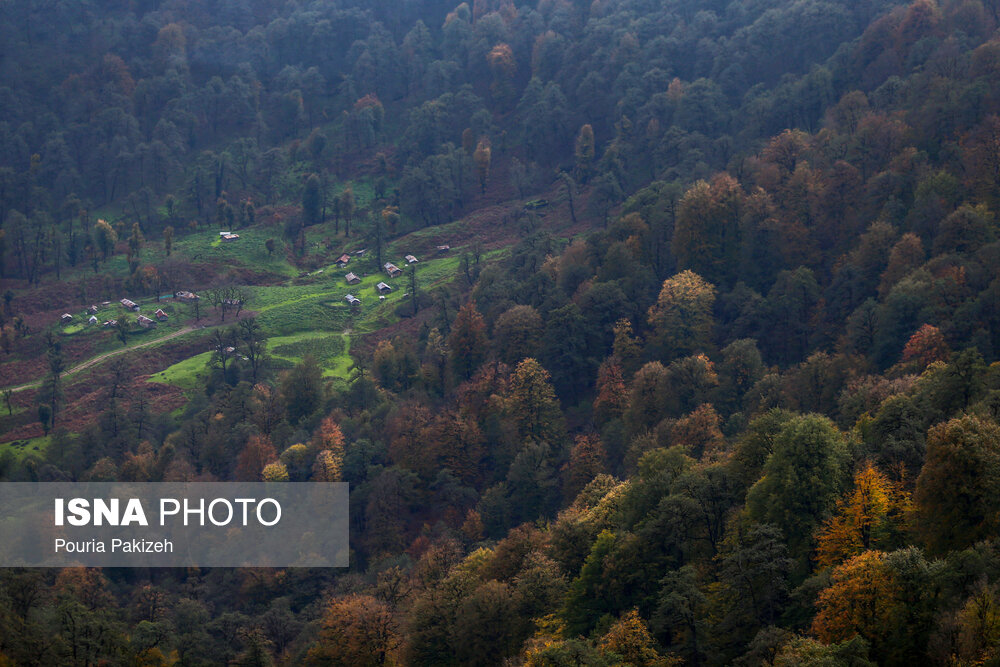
[682, 315]
[328, 443]
[873, 515]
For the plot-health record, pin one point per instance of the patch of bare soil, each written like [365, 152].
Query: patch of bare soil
[84, 396]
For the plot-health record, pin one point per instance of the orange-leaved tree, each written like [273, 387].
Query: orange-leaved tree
[355, 630]
[873, 515]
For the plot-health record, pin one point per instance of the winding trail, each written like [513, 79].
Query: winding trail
[107, 355]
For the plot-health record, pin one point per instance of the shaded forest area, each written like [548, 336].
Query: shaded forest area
[733, 399]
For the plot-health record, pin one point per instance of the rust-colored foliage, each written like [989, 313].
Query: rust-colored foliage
[257, 453]
[612, 394]
[355, 630]
[926, 346]
[858, 601]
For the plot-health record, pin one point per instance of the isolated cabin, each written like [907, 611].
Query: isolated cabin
[443, 248]
[410, 259]
[383, 288]
[361, 253]
[93, 320]
[66, 318]
[231, 237]
[92, 310]
[343, 260]
[352, 279]
[393, 270]
[110, 323]
[187, 297]
[129, 304]
[353, 300]
[145, 322]
[161, 316]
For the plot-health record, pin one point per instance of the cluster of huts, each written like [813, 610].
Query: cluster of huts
[144, 321]
[382, 288]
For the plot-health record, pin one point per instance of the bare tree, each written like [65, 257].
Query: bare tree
[253, 345]
[227, 299]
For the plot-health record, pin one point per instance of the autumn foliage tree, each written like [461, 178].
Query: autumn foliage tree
[873, 515]
[355, 630]
[698, 433]
[532, 405]
[328, 443]
[257, 454]
[886, 598]
[503, 66]
[682, 314]
[630, 641]
[706, 236]
[926, 346]
[612, 394]
[587, 460]
[482, 157]
[859, 599]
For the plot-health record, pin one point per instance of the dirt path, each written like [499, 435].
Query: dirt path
[107, 355]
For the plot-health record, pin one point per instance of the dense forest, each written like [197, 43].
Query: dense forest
[696, 362]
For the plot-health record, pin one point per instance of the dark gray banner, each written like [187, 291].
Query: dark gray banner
[64, 524]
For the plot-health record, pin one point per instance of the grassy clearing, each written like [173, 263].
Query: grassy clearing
[331, 351]
[22, 448]
[249, 251]
[188, 375]
[309, 315]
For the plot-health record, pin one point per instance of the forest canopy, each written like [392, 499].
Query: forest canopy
[672, 335]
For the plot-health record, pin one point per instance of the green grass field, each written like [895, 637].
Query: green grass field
[331, 350]
[22, 448]
[314, 318]
[187, 375]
